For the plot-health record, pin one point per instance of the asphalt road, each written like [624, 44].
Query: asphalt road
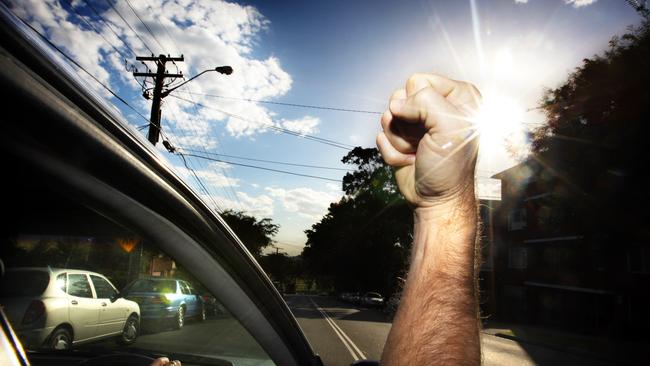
[221, 337]
[342, 333]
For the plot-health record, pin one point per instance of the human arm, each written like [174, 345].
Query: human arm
[429, 138]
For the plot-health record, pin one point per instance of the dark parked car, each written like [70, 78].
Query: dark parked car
[166, 299]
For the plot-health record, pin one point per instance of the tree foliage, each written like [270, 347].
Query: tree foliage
[363, 241]
[596, 135]
[281, 268]
[255, 234]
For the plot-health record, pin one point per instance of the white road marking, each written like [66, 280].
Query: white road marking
[347, 342]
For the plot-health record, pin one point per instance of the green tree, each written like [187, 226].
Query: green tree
[363, 241]
[281, 268]
[595, 141]
[255, 234]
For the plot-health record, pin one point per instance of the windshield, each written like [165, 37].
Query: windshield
[284, 119]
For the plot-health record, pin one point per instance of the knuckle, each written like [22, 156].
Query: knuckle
[424, 96]
[414, 80]
[398, 94]
[385, 119]
[470, 87]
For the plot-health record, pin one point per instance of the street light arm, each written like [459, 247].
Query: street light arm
[226, 70]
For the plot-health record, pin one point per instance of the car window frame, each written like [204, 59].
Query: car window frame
[91, 275]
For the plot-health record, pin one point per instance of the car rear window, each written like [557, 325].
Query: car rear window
[164, 286]
[23, 283]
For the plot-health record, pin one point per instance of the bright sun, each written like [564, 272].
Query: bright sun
[500, 124]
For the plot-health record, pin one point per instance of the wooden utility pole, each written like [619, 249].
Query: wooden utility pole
[159, 82]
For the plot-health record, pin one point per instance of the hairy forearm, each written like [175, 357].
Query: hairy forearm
[437, 322]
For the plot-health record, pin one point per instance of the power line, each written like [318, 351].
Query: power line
[95, 29]
[129, 25]
[205, 190]
[266, 161]
[145, 25]
[79, 66]
[108, 24]
[273, 127]
[263, 168]
[309, 106]
[333, 143]
[196, 176]
[165, 29]
[229, 190]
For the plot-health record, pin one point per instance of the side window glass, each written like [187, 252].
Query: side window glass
[78, 285]
[103, 288]
[62, 281]
[91, 247]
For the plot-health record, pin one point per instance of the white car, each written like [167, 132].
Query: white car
[59, 308]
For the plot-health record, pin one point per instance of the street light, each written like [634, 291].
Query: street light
[225, 70]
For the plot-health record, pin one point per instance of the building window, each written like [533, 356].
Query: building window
[518, 258]
[517, 219]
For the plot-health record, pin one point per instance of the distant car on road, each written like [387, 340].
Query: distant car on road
[166, 299]
[372, 299]
[59, 308]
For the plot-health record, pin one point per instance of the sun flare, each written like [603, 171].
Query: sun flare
[500, 125]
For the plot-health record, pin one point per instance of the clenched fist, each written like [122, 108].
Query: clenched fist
[429, 138]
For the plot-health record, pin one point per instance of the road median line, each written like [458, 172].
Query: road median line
[352, 348]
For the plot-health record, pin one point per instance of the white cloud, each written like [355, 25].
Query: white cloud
[212, 177]
[305, 201]
[217, 179]
[219, 165]
[258, 206]
[333, 187]
[579, 3]
[208, 32]
[521, 1]
[304, 126]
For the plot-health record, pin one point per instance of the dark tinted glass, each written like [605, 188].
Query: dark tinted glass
[78, 286]
[23, 283]
[103, 289]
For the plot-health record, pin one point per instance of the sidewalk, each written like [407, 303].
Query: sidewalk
[606, 349]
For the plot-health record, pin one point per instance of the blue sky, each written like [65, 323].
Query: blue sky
[330, 53]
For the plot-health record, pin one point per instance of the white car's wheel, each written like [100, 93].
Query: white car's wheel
[130, 331]
[60, 339]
